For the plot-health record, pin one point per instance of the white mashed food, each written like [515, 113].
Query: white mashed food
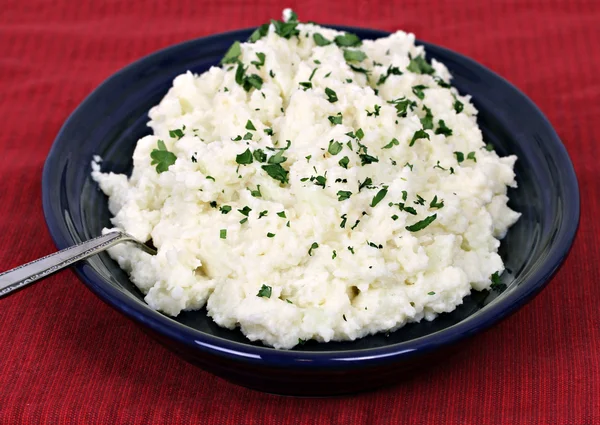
[307, 200]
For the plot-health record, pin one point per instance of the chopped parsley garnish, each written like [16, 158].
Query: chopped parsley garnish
[419, 134]
[354, 55]
[419, 65]
[334, 147]
[375, 112]
[394, 217]
[471, 155]
[278, 158]
[351, 249]
[402, 104]
[489, 147]
[344, 162]
[248, 136]
[343, 195]
[245, 211]
[333, 255]
[306, 85]
[355, 224]
[194, 160]
[213, 204]
[437, 165]
[368, 182]
[404, 195]
[308, 157]
[285, 29]
[343, 223]
[442, 129]
[496, 284]
[409, 166]
[177, 133]
[379, 197]
[244, 158]
[162, 158]
[270, 235]
[259, 155]
[360, 134]
[373, 245]
[268, 131]
[427, 120]
[301, 341]
[272, 75]
[210, 178]
[277, 172]
[247, 81]
[431, 293]
[409, 210]
[460, 157]
[420, 200]
[335, 119]
[442, 83]
[265, 291]
[320, 40]
[223, 233]
[313, 247]
[458, 106]
[232, 54]
[418, 91]
[259, 33]
[225, 209]
[347, 40]
[261, 60]
[331, 95]
[312, 74]
[237, 139]
[250, 126]
[320, 180]
[420, 225]
[359, 69]
[392, 70]
[256, 193]
[327, 75]
[435, 204]
[288, 301]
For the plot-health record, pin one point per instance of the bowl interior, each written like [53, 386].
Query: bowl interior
[114, 117]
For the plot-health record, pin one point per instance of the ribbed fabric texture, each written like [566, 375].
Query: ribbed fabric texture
[66, 358]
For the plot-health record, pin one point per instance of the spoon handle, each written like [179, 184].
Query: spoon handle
[19, 277]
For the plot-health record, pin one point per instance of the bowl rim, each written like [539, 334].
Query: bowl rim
[171, 329]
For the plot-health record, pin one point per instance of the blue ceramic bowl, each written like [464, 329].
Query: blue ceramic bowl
[113, 118]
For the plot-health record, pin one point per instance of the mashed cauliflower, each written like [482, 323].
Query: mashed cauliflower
[314, 186]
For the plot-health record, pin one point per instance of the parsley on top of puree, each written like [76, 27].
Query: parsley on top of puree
[313, 186]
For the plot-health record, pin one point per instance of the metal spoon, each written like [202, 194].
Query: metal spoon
[19, 277]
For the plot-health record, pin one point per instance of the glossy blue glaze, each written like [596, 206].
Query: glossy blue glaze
[114, 116]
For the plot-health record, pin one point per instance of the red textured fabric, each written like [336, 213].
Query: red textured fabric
[65, 357]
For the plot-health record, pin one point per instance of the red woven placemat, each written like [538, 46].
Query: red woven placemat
[65, 357]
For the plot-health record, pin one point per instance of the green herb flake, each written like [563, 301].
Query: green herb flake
[177, 133]
[244, 158]
[402, 104]
[223, 233]
[331, 95]
[334, 147]
[213, 204]
[270, 235]
[261, 60]
[373, 245]
[333, 255]
[335, 119]
[320, 40]
[420, 225]
[409, 166]
[489, 147]
[162, 158]
[375, 112]
[344, 162]
[379, 197]
[312, 74]
[427, 120]
[418, 91]
[268, 131]
[232, 54]
[312, 248]
[435, 204]
[256, 193]
[442, 129]
[343, 223]
[460, 157]
[343, 195]
[366, 183]
[285, 29]
[259, 155]
[420, 200]
[248, 136]
[458, 106]
[392, 70]
[419, 65]
[225, 209]
[351, 249]
[259, 33]
[354, 55]
[419, 134]
[347, 40]
[277, 172]
[431, 293]
[471, 155]
[308, 157]
[360, 134]
[265, 291]
[250, 126]
[305, 85]
[394, 217]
